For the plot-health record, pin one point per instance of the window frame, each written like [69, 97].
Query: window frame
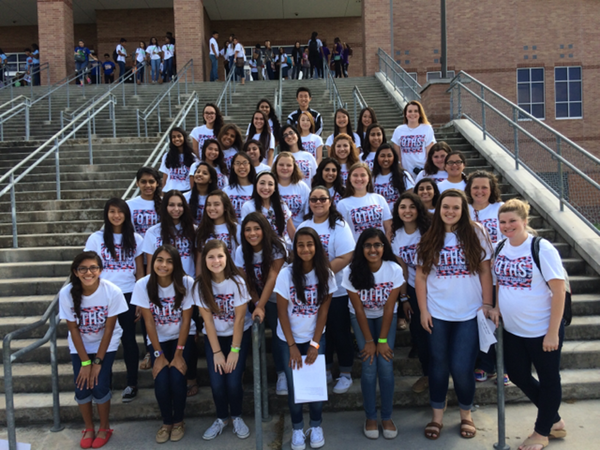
[529, 83]
[568, 102]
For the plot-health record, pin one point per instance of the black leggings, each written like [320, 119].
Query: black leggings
[131, 351]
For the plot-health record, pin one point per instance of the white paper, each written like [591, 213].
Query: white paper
[486, 332]
[310, 382]
[20, 445]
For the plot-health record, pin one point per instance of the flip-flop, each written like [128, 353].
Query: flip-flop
[534, 441]
[192, 390]
[467, 434]
[432, 434]
[557, 434]
[146, 363]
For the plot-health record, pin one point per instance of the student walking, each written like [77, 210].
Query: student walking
[213, 48]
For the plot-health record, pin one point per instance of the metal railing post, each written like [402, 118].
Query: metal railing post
[57, 167]
[170, 112]
[50, 106]
[27, 129]
[137, 119]
[266, 417]
[561, 190]
[355, 117]
[196, 112]
[123, 89]
[483, 112]
[54, 365]
[192, 73]
[256, 367]
[9, 395]
[516, 136]
[501, 444]
[452, 104]
[89, 130]
[68, 96]
[111, 112]
[13, 209]
[159, 124]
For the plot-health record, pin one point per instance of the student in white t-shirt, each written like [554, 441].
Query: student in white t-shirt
[374, 138]
[165, 299]
[154, 52]
[294, 192]
[366, 118]
[338, 244]
[121, 57]
[342, 124]
[361, 207]
[213, 122]
[205, 181]
[390, 179]
[265, 106]
[291, 142]
[455, 164]
[90, 306]
[213, 49]
[241, 182]
[329, 174]
[344, 151]
[176, 228]
[218, 222]
[261, 256]
[259, 130]
[230, 138]
[410, 221]
[239, 57]
[428, 192]
[120, 248]
[212, 154]
[176, 163]
[145, 208]
[222, 296]
[435, 166]
[140, 60]
[531, 300]
[311, 142]
[256, 152]
[168, 50]
[304, 291]
[373, 281]
[414, 138]
[453, 281]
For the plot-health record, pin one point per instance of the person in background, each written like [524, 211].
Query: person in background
[3, 59]
[96, 69]
[154, 53]
[269, 57]
[239, 57]
[168, 51]
[296, 60]
[346, 54]
[303, 97]
[121, 57]
[213, 48]
[82, 58]
[260, 64]
[140, 60]
[228, 54]
[35, 65]
[325, 52]
[281, 62]
[314, 46]
[337, 57]
[109, 69]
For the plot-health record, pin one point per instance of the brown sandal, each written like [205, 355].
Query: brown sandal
[464, 432]
[534, 441]
[432, 434]
[192, 390]
[146, 363]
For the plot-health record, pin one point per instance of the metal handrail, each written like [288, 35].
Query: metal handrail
[227, 91]
[359, 104]
[159, 99]
[259, 367]
[334, 93]
[24, 105]
[277, 105]
[10, 85]
[406, 85]
[520, 115]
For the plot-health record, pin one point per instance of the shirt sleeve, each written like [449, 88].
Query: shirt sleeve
[148, 245]
[139, 297]
[398, 277]
[188, 301]
[91, 245]
[332, 283]
[282, 284]
[65, 304]
[430, 136]
[396, 136]
[550, 262]
[163, 167]
[344, 239]
[387, 215]
[238, 260]
[139, 242]
[318, 124]
[116, 302]
[346, 280]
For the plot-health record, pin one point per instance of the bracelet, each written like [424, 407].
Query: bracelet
[290, 346]
[382, 341]
[314, 344]
[180, 347]
[214, 353]
[366, 342]
[235, 349]
[487, 304]
[86, 363]
[404, 296]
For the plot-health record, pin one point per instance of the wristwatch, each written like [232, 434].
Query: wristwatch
[97, 361]
[157, 353]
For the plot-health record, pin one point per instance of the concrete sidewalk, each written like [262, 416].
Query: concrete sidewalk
[343, 430]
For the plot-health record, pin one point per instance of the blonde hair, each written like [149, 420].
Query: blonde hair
[521, 208]
[297, 175]
[350, 188]
[310, 118]
[422, 115]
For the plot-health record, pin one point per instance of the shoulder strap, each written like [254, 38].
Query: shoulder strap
[499, 247]
[535, 252]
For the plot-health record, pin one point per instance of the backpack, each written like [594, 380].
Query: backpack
[115, 56]
[313, 47]
[535, 253]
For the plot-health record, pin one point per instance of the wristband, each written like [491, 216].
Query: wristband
[235, 349]
[366, 342]
[382, 341]
[86, 363]
[314, 344]
[181, 347]
[290, 346]
[214, 353]
[487, 304]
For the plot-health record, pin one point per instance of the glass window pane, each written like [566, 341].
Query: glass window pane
[560, 73]
[562, 110]
[561, 92]
[575, 91]
[522, 75]
[537, 74]
[537, 111]
[523, 94]
[537, 92]
[575, 110]
[575, 73]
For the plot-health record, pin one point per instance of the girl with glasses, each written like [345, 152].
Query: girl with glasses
[455, 165]
[213, 122]
[241, 182]
[291, 142]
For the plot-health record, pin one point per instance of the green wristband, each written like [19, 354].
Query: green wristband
[382, 341]
[235, 349]
[86, 363]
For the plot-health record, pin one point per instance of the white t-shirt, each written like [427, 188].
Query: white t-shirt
[140, 55]
[404, 245]
[523, 295]
[168, 51]
[445, 185]
[201, 203]
[413, 143]
[336, 242]
[488, 217]
[177, 177]
[143, 214]
[261, 168]
[222, 180]
[107, 301]
[454, 294]
[357, 140]
[167, 319]
[336, 196]
[228, 155]
[257, 265]
[382, 185]
[201, 134]
[365, 212]
[121, 271]
[154, 51]
[369, 160]
[221, 233]
[153, 240]
[303, 316]
[306, 162]
[238, 197]
[437, 177]
[213, 43]
[296, 198]
[121, 49]
[228, 296]
[271, 140]
[250, 207]
[239, 51]
[387, 278]
[311, 142]
[344, 173]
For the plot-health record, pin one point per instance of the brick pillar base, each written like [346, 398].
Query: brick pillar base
[436, 101]
[189, 34]
[55, 30]
[376, 32]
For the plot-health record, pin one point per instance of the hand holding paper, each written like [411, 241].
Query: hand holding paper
[310, 382]
[486, 332]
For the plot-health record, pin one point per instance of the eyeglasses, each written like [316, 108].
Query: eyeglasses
[376, 246]
[454, 163]
[287, 135]
[318, 199]
[210, 114]
[242, 164]
[83, 270]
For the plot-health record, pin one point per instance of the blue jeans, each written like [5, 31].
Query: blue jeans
[315, 408]
[170, 386]
[155, 64]
[271, 318]
[214, 68]
[141, 69]
[382, 369]
[419, 336]
[338, 336]
[453, 347]
[168, 69]
[102, 391]
[227, 389]
[81, 68]
[121, 68]
[131, 351]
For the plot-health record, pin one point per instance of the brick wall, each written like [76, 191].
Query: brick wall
[16, 39]
[376, 32]
[55, 23]
[436, 102]
[189, 32]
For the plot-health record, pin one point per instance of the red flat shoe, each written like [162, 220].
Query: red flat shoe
[100, 442]
[87, 442]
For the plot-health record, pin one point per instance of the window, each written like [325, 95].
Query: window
[414, 76]
[530, 91]
[567, 92]
[16, 62]
[438, 75]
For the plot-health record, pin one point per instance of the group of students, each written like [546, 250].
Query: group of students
[238, 233]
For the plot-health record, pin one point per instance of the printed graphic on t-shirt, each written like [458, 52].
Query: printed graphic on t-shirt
[452, 262]
[180, 173]
[514, 273]
[144, 219]
[294, 202]
[344, 175]
[366, 217]
[222, 180]
[168, 314]
[388, 191]
[202, 138]
[325, 242]
[228, 159]
[92, 319]
[237, 201]
[258, 275]
[123, 262]
[310, 307]
[304, 165]
[199, 213]
[181, 244]
[491, 225]
[412, 144]
[310, 147]
[225, 304]
[408, 254]
[270, 216]
[225, 237]
[376, 297]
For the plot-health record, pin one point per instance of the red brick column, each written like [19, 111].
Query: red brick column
[436, 101]
[189, 34]
[376, 32]
[56, 41]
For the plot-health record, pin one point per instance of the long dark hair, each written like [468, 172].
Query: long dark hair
[261, 149]
[271, 244]
[423, 216]
[234, 182]
[168, 232]
[360, 130]
[265, 134]
[462, 158]
[396, 169]
[284, 146]
[276, 125]
[128, 243]
[172, 160]
[430, 167]
[495, 194]
[361, 276]
[338, 184]
[176, 277]
[237, 142]
[157, 198]
[207, 225]
[436, 190]
[334, 214]
[366, 143]
[212, 186]
[320, 265]
[276, 202]
[336, 129]
[218, 118]
[76, 286]
[220, 161]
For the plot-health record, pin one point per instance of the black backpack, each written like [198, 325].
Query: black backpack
[313, 47]
[535, 253]
[115, 56]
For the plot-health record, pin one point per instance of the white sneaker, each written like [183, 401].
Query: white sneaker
[298, 440]
[342, 385]
[240, 429]
[329, 377]
[215, 429]
[317, 440]
[281, 388]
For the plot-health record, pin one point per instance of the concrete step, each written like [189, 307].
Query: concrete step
[14, 255]
[78, 226]
[48, 240]
[53, 216]
[39, 269]
[32, 304]
[55, 205]
[28, 286]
